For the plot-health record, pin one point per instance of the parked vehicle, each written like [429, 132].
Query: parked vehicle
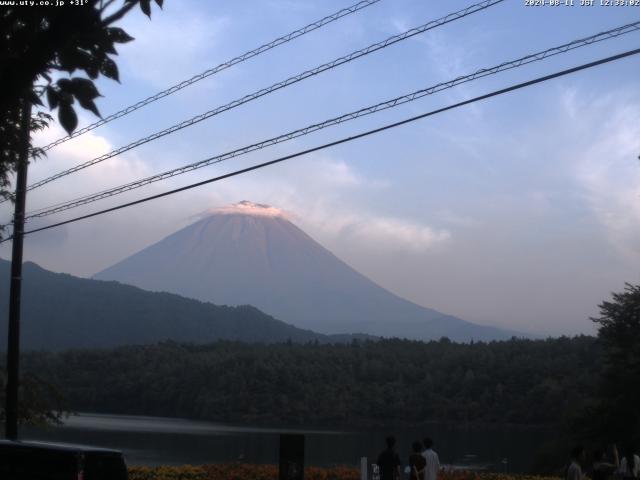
[54, 461]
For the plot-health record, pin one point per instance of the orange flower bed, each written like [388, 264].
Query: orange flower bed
[237, 471]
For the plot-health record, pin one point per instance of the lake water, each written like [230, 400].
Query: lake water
[169, 441]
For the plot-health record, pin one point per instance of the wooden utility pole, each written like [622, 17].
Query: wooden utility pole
[13, 337]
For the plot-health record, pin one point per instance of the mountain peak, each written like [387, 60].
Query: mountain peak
[246, 207]
[249, 253]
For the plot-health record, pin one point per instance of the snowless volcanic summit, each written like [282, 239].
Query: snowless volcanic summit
[250, 253]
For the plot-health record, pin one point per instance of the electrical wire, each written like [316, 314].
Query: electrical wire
[223, 66]
[343, 140]
[534, 57]
[277, 86]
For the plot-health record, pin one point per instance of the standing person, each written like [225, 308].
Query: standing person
[574, 471]
[389, 461]
[417, 463]
[432, 461]
[602, 468]
[630, 464]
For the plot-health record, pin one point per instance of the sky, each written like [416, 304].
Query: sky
[520, 211]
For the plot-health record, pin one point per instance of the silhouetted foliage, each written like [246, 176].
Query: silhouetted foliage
[530, 382]
[41, 403]
[37, 42]
[619, 394]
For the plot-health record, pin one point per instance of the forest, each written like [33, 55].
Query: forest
[366, 383]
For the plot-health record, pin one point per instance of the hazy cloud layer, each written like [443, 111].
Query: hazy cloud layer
[607, 167]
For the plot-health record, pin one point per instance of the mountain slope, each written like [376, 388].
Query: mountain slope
[251, 254]
[61, 311]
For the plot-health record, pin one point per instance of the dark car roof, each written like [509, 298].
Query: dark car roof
[64, 447]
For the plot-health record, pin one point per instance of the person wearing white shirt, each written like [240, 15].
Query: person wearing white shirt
[433, 462]
[629, 465]
[574, 472]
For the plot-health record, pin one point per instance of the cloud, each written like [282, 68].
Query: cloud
[247, 207]
[450, 59]
[75, 149]
[111, 172]
[317, 200]
[606, 166]
[340, 173]
[387, 233]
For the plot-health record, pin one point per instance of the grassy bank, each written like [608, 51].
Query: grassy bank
[270, 472]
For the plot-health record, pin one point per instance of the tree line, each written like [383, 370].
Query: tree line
[392, 382]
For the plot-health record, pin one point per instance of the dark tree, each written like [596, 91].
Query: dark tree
[37, 41]
[41, 403]
[387, 382]
[619, 333]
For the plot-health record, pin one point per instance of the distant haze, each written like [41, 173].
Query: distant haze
[250, 253]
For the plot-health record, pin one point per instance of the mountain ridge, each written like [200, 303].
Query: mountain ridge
[60, 311]
[251, 253]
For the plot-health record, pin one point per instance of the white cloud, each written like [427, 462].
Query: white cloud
[315, 197]
[78, 148]
[387, 233]
[316, 200]
[338, 173]
[607, 168]
[247, 207]
[111, 172]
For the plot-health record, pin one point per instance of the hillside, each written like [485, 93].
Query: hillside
[60, 311]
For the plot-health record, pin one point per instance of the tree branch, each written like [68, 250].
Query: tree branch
[119, 14]
[104, 6]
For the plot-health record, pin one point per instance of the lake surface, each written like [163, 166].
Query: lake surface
[170, 441]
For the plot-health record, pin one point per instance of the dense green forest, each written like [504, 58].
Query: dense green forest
[530, 382]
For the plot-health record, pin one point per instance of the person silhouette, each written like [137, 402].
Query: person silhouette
[389, 461]
[574, 470]
[432, 466]
[417, 462]
[629, 464]
[602, 468]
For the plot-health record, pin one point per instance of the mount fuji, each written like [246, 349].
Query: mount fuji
[250, 253]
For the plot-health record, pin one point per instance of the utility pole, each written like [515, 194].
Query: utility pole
[13, 337]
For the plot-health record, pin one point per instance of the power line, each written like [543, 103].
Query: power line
[343, 140]
[223, 66]
[265, 91]
[277, 86]
[534, 57]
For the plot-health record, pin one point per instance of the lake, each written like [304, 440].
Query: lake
[171, 441]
